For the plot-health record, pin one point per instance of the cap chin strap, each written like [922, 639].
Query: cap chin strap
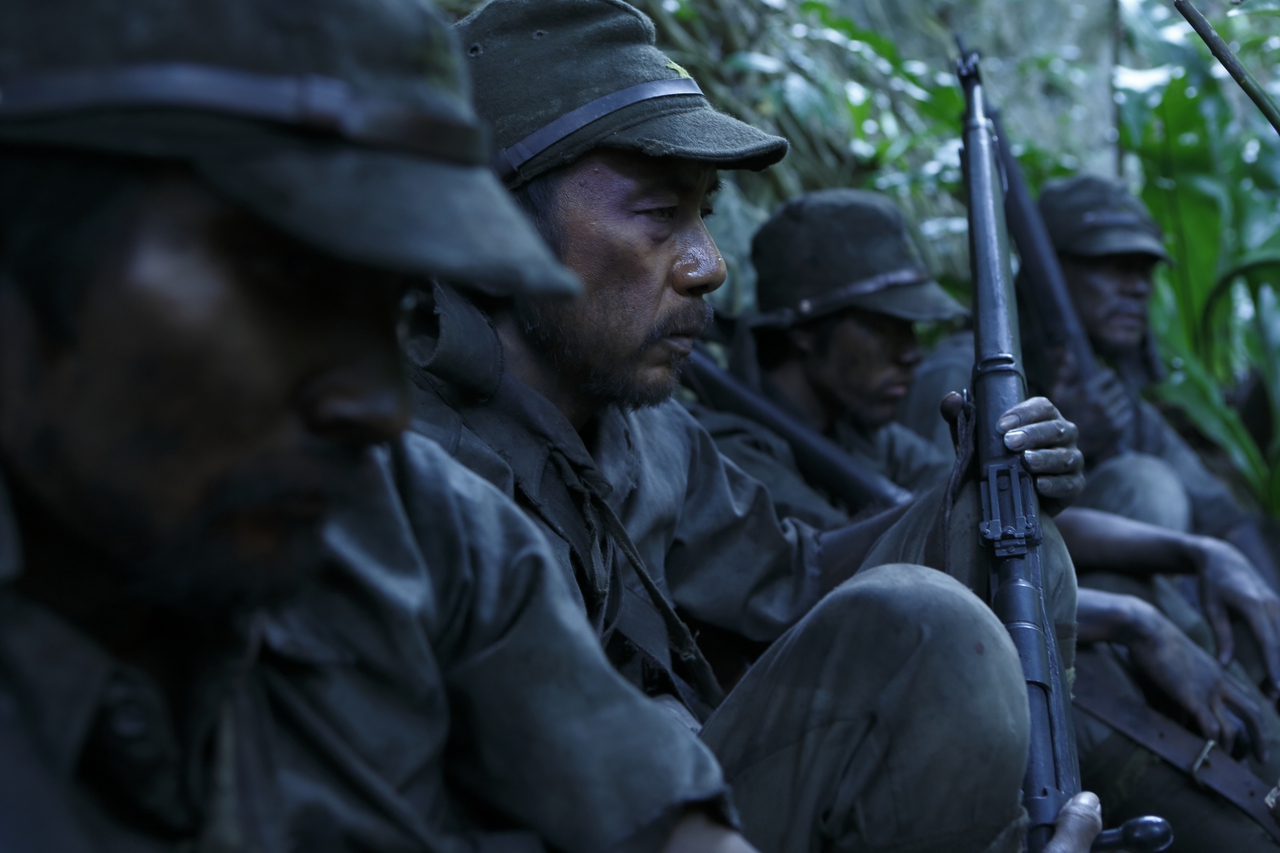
[310, 102]
[508, 161]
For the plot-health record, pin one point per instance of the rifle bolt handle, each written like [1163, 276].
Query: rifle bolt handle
[1147, 834]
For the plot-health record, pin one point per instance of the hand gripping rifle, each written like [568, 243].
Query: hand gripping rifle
[1010, 507]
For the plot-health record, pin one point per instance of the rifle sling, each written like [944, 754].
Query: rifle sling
[1157, 733]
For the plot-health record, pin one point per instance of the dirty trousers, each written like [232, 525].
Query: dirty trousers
[893, 717]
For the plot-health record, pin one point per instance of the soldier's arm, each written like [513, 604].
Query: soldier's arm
[1100, 541]
[544, 730]
[1170, 660]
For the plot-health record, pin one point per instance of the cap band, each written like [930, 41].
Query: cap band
[508, 161]
[312, 102]
[837, 299]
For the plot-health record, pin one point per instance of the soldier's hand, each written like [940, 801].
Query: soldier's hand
[1188, 675]
[1047, 442]
[1078, 824]
[697, 833]
[1229, 583]
[1101, 407]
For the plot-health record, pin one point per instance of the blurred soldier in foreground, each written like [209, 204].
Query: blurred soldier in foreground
[841, 351]
[833, 740]
[239, 609]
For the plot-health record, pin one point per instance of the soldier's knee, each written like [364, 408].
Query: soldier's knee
[1142, 487]
[910, 611]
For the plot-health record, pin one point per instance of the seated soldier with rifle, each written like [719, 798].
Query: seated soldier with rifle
[240, 608]
[830, 348]
[890, 711]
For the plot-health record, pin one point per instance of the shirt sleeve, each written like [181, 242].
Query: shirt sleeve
[544, 731]
[768, 458]
[733, 563]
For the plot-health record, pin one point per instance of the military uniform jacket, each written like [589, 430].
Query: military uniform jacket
[707, 533]
[437, 669]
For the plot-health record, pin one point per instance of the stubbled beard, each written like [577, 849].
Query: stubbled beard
[601, 373]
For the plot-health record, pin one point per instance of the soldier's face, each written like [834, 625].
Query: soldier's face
[221, 391]
[632, 229]
[1112, 293]
[866, 367]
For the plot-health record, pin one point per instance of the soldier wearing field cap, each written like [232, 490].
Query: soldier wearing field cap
[240, 608]
[613, 150]
[840, 287]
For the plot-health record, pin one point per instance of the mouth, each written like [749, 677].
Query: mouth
[680, 343]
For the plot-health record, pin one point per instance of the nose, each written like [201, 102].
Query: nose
[699, 268]
[909, 352]
[1138, 284]
[356, 408]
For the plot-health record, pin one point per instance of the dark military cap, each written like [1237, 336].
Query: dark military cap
[558, 78]
[831, 250]
[1091, 216]
[343, 122]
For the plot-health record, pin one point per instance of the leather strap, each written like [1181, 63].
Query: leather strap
[1202, 760]
[508, 161]
[324, 104]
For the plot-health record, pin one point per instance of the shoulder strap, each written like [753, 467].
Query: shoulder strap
[1206, 763]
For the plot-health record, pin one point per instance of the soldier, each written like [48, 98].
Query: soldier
[841, 285]
[831, 741]
[1139, 466]
[239, 609]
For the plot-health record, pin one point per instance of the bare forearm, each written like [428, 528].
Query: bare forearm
[1104, 542]
[1104, 617]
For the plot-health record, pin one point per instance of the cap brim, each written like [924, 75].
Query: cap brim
[397, 212]
[701, 134]
[925, 302]
[1117, 241]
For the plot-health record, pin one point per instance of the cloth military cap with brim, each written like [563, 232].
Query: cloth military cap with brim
[832, 250]
[345, 123]
[1089, 216]
[556, 79]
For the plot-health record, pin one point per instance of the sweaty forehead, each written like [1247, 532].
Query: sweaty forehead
[652, 174]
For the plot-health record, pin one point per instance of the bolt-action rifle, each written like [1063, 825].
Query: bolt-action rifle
[1010, 507]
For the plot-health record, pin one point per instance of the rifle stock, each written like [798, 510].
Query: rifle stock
[820, 459]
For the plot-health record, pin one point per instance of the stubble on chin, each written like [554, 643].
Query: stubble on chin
[589, 353]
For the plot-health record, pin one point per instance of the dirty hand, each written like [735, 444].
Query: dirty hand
[1046, 440]
[1230, 583]
[1188, 675]
[1078, 824]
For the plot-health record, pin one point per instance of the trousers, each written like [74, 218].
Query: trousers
[892, 718]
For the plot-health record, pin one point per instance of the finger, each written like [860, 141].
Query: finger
[1220, 622]
[1230, 726]
[1078, 824]
[1058, 432]
[1029, 411]
[951, 406]
[1250, 715]
[1261, 622]
[1206, 719]
[1061, 488]
[1055, 460]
